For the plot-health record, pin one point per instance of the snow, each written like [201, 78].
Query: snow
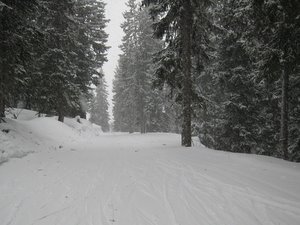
[30, 133]
[128, 179]
[21, 114]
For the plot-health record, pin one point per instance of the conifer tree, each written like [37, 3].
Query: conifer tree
[231, 74]
[184, 26]
[73, 52]
[99, 106]
[17, 31]
[135, 101]
[278, 26]
[243, 83]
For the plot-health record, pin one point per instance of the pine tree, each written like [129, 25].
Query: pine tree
[146, 47]
[137, 107]
[278, 26]
[17, 31]
[73, 51]
[124, 84]
[91, 48]
[234, 93]
[99, 106]
[92, 38]
[181, 25]
[243, 108]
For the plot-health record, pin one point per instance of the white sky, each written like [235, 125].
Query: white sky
[114, 10]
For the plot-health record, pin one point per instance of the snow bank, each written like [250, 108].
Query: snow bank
[16, 140]
[83, 127]
[21, 114]
[30, 133]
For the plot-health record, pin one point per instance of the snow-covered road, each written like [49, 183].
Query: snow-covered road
[122, 179]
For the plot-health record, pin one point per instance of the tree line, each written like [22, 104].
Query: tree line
[231, 68]
[51, 53]
[138, 107]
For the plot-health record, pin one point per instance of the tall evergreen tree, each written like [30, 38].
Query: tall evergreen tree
[17, 31]
[137, 107]
[243, 83]
[124, 84]
[278, 26]
[73, 51]
[57, 62]
[92, 38]
[99, 106]
[181, 25]
[229, 119]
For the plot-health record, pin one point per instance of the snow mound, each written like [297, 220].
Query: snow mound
[21, 114]
[16, 140]
[30, 133]
[84, 127]
[51, 131]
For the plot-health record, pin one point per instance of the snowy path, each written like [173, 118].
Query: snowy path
[136, 179]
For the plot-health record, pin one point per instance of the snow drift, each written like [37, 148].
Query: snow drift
[24, 132]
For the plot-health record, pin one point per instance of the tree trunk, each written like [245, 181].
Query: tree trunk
[2, 83]
[142, 126]
[82, 113]
[186, 30]
[2, 106]
[142, 120]
[284, 132]
[61, 115]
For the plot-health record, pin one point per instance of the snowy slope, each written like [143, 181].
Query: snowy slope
[30, 133]
[122, 179]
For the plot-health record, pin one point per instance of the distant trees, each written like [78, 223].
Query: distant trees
[99, 106]
[137, 107]
[56, 54]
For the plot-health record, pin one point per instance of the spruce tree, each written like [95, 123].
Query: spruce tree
[234, 94]
[57, 62]
[135, 101]
[181, 24]
[253, 47]
[278, 26]
[73, 51]
[99, 106]
[17, 31]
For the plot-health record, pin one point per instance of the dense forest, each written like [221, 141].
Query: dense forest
[138, 106]
[51, 52]
[226, 71]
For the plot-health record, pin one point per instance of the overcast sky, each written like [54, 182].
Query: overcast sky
[114, 10]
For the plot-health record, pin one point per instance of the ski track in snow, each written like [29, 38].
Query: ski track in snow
[123, 179]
